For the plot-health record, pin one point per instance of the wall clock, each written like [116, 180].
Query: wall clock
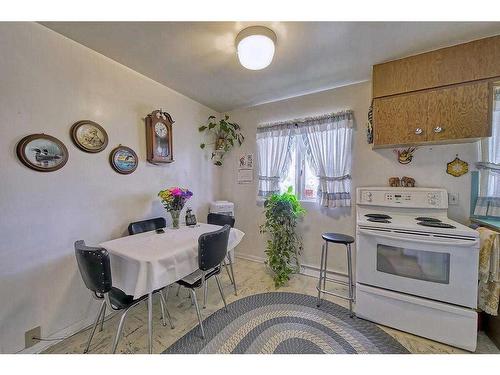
[123, 160]
[159, 137]
[42, 152]
[89, 136]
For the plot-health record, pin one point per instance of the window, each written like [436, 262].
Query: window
[312, 155]
[300, 174]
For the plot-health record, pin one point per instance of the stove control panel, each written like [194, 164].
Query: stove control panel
[403, 197]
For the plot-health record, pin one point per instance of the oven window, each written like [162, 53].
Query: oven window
[414, 264]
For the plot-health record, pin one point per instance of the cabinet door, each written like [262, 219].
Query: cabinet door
[459, 112]
[399, 120]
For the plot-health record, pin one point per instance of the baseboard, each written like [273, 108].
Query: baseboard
[62, 334]
[305, 269]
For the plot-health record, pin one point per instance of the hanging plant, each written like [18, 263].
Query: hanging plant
[225, 134]
[283, 248]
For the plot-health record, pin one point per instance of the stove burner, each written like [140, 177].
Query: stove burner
[428, 219]
[378, 216]
[378, 220]
[435, 224]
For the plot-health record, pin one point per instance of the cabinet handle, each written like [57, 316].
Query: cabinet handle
[418, 131]
[438, 129]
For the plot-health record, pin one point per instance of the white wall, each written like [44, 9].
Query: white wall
[369, 168]
[48, 82]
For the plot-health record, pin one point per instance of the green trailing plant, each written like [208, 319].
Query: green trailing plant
[284, 246]
[226, 135]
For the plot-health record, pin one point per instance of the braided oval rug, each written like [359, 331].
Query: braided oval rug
[285, 323]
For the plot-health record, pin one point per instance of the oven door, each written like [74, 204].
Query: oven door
[442, 268]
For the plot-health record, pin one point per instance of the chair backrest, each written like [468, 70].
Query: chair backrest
[220, 219]
[147, 225]
[94, 266]
[212, 248]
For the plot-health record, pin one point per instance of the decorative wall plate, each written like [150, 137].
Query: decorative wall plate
[42, 152]
[405, 156]
[89, 136]
[457, 167]
[123, 160]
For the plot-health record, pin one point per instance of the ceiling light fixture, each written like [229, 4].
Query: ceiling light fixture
[255, 46]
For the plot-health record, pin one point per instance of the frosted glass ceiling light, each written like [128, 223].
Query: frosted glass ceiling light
[255, 47]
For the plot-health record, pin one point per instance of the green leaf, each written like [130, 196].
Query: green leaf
[212, 125]
[226, 117]
[211, 117]
[202, 128]
[202, 146]
[218, 163]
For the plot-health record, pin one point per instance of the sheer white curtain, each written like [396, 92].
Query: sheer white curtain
[328, 140]
[490, 150]
[273, 157]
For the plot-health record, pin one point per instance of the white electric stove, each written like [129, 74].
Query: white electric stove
[416, 270]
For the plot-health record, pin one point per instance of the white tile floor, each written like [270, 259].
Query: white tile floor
[252, 278]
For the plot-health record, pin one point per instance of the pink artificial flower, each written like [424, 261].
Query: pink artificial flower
[176, 192]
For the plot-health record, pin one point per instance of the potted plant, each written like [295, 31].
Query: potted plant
[226, 135]
[283, 248]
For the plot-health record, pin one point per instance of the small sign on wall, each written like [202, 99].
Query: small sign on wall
[245, 169]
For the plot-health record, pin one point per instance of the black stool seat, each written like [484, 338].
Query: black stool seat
[337, 238]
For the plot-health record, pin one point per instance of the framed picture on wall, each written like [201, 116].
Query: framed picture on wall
[42, 152]
[123, 160]
[89, 136]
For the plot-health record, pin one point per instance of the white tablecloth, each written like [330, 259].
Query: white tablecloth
[148, 261]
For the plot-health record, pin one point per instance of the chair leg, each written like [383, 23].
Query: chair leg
[224, 262]
[204, 284]
[162, 307]
[119, 331]
[232, 274]
[178, 290]
[220, 290]
[163, 299]
[102, 318]
[200, 320]
[96, 322]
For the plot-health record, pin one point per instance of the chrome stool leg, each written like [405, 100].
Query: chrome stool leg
[349, 273]
[318, 303]
[232, 274]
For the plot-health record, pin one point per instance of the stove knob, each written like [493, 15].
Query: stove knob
[369, 197]
[432, 201]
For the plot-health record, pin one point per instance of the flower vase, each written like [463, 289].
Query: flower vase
[175, 218]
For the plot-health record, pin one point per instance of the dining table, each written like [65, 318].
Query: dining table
[145, 262]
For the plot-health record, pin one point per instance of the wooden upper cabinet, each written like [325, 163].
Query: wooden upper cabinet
[466, 62]
[400, 120]
[442, 115]
[459, 112]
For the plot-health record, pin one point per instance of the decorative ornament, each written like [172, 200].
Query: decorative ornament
[394, 182]
[405, 156]
[407, 181]
[457, 167]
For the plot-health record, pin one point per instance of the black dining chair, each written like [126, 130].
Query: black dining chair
[219, 219]
[147, 225]
[212, 249]
[95, 269]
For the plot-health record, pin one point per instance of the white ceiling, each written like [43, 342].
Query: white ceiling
[198, 59]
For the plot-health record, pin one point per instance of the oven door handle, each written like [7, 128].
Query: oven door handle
[434, 241]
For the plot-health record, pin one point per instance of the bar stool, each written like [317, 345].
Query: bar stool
[346, 240]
